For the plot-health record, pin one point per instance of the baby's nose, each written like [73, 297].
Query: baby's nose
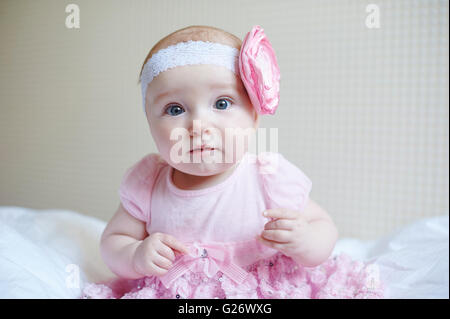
[199, 128]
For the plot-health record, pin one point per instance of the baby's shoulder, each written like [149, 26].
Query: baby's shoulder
[272, 163]
[137, 184]
[145, 170]
[285, 184]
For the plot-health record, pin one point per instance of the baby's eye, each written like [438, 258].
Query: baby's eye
[222, 104]
[174, 110]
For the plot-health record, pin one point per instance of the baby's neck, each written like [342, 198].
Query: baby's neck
[193, 182]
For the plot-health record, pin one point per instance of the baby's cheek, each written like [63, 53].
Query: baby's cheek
[240, 142]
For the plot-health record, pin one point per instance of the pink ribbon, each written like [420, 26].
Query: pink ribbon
[215, 259]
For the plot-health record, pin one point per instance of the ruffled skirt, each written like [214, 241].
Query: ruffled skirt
[277, 277]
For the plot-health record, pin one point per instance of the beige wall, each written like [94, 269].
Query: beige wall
[363, 112]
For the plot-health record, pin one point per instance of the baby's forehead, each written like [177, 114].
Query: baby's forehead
[187, 79]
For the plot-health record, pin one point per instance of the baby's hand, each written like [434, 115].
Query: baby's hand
[288, 231]
[155, 255]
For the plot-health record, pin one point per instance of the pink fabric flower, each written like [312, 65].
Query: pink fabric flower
[259, 71]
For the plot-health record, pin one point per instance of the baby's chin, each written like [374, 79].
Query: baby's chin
[203, 168]
[204, 163]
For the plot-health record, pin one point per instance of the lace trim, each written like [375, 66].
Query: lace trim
[188, 53]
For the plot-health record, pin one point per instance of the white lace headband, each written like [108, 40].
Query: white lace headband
[187, 53]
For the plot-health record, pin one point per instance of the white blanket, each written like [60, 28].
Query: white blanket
[53, 253]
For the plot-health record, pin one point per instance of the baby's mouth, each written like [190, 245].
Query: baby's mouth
[202, 149]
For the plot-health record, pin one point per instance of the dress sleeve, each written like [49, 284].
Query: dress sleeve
[136, 187]
[285, 185]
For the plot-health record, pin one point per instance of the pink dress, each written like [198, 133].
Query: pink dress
[219, 225]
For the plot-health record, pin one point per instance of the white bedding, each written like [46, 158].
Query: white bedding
[52, 253]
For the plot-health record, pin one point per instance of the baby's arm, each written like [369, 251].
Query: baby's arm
[131, 253]
[323, 235]
[119, 241]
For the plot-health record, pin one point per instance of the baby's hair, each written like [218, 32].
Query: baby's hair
[194, 33]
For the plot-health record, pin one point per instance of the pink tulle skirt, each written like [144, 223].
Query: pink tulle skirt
[277, 277]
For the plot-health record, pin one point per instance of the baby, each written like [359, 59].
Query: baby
[204, 217]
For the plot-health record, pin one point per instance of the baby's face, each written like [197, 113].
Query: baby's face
[198, 105]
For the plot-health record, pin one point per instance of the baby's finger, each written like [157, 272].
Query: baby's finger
[270, 243]
[281, 213]
[165, 251]
[162, 262]
[279, 224]
[279, 236]
[174, 243]
[157, 270]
